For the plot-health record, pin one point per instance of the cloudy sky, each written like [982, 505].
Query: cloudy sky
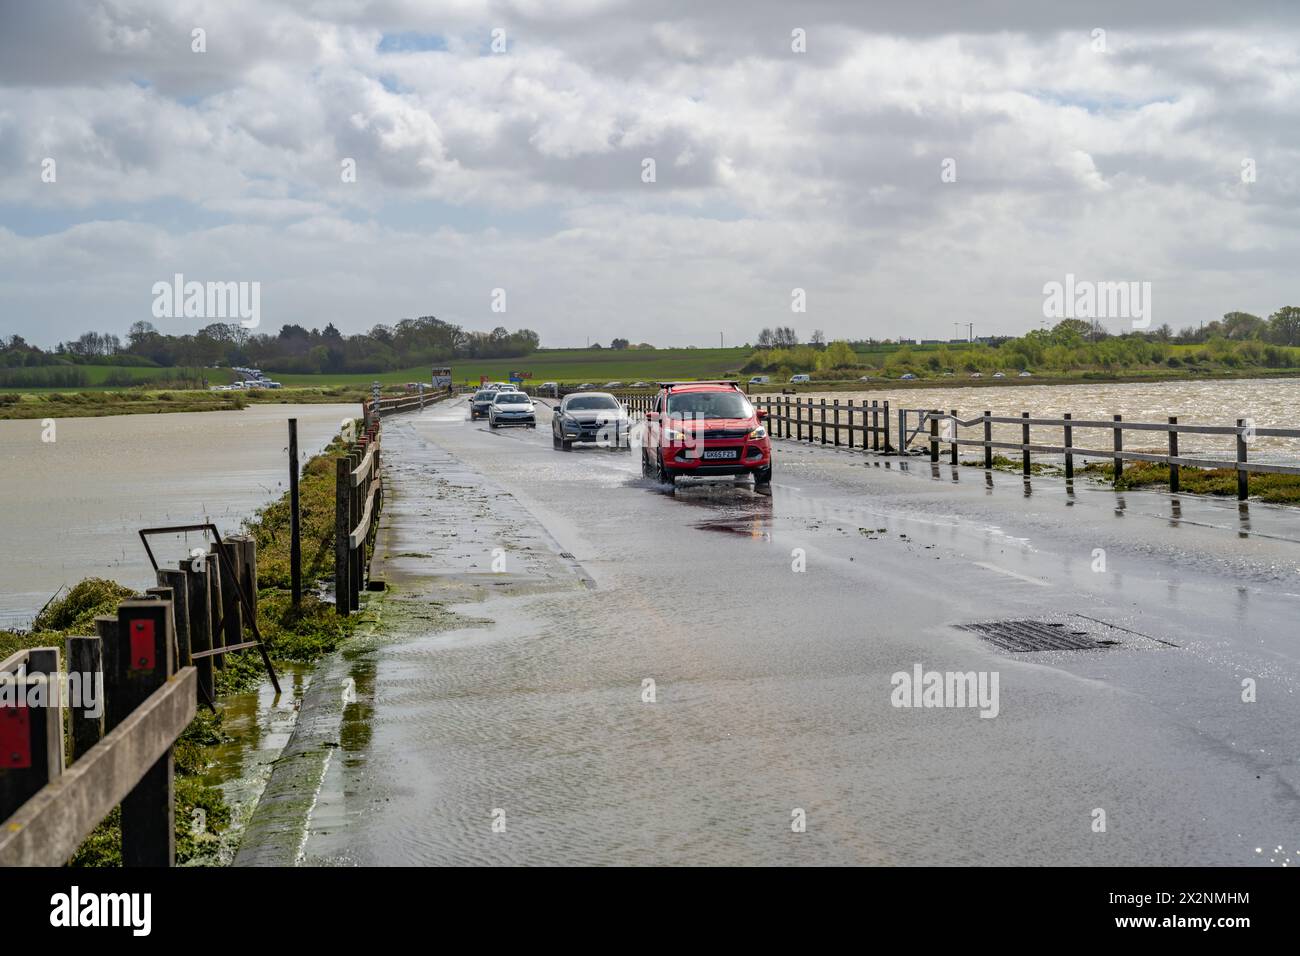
[517, 164]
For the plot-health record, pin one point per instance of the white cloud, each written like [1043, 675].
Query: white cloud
[522, 170]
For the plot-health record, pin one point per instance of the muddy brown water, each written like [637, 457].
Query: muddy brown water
[1269, 403]
[72, 507]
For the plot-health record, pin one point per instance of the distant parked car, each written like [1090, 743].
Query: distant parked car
[1025, 375]
[585, 386]
[976, 375]
[906, 377]
[799, 379]
[865, 378]
[613, 384]
[639, 385]
[270, 384]
[759, 380]
[999, 375]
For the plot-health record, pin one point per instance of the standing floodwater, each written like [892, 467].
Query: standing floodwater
[72, 507]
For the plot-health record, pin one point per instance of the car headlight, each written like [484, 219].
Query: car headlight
[759, 432]
[674, 435]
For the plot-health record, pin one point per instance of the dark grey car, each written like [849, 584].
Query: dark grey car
[590, 417]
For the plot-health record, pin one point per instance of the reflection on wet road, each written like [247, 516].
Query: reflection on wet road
[644, 675]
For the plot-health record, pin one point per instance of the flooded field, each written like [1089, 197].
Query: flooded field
[72, 507]
[1269, 403]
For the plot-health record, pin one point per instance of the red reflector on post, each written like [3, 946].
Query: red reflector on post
[15, 738]
[142, 646]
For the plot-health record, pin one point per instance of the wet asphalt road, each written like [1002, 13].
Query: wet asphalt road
[773, 685]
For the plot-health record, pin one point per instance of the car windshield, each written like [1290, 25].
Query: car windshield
[709, 405]
[511, 398]
[588, 402]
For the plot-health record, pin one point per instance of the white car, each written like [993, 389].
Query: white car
[1025, 375]
[759, 380]
[800, 379]
[511, 408]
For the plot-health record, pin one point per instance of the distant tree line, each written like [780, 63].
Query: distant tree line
[422, 341]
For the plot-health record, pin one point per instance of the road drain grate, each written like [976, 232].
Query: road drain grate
[1069, 633]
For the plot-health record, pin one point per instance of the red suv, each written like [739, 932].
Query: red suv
[705, 428]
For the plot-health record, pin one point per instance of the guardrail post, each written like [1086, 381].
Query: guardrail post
[953, 413]
[1119, 446]
[1024, 449]
[988, 437]
[342, 555]
[836, 421]
[1175, 472]
[1243, 476]
[86, 660]
[143, 663]
[934, 435]
[1069, 444]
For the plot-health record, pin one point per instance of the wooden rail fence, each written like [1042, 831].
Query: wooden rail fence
[372, 411]
[358, 498]
[131, 690]
[1242, 433]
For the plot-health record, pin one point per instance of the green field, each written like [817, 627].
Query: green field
[559, 365]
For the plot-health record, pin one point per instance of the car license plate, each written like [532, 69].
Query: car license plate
[721, 453]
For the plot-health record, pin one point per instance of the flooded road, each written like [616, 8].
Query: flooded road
[648, 676]
[72, 507]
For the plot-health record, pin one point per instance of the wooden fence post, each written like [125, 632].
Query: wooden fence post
[1069, 445]
[798, 419]
[1024, 451]
[934, 436]
[178, 582]
[953, 412]
[1175, 472]
[143, 663]
[823, 420]
[199, 585]
[232, 631]
[1243, 476]
[295, 533]
[342, 508]
[31, 737]
[988, 437]
[86, 660]
[1119, 446]
[864, 433]
[875, 425]
[836, 420]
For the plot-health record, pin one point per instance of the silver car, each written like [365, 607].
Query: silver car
[511, 408]
[590, 417]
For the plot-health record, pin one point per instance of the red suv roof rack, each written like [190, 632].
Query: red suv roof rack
[708, 381]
